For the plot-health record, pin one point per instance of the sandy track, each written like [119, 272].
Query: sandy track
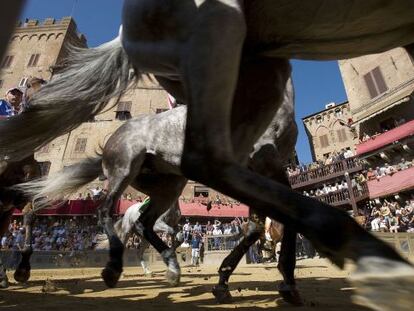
[323, 287]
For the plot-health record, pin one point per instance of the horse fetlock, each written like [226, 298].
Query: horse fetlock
[290, 294]
[112, 273]
[22, 273]
[221, 293]
[173, 277]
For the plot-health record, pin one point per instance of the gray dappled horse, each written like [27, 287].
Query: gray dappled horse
[204, 53]
[166, 223]
[146, 153]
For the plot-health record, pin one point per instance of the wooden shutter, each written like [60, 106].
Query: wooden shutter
[370, 85]
[379, 80]
[324, 140]
[80, 145]
[124, 106]
[341, 135]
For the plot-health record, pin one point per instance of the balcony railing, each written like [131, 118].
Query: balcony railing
[325, 172]
[342, 197]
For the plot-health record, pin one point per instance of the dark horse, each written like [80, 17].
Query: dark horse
[204, 53]
[13, 173]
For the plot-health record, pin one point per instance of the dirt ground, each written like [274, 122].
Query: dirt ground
[323, 287]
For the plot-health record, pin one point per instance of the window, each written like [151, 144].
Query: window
[159, 110]
[7, 61]
[34, 59]
[80, 145]
[200, 191]
[338, 112]
[324, 140]
[375, 82]
[123, 111]
[341, 135]
[23, 82]
[318, 120]
[44, 168]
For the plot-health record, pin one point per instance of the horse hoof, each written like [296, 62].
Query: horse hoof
[292, 297]
[149, 274]
[22, 275]
[110, 276]
[222, 294]
[383, 284]
[173, 278]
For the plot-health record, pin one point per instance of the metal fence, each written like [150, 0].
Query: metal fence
[221, 242]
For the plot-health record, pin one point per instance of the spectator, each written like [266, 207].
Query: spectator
[195, 248]
[11, 105]
[96, 193]
[217, 232]
[187, 230]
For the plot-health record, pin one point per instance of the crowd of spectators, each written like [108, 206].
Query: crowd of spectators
[329, 159]
[388, 170]
[99, 193]
[61, 234]
[384, 128]
[390, 216]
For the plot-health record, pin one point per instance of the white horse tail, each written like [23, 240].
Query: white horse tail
[60, 185]
[83, 89]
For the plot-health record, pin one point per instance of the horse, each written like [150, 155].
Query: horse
[154, 158]
[166, 223]
[204, 53]
[12, 173]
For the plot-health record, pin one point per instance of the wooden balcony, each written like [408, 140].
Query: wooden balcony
[402, 132]
[325, 173]
[342, 197]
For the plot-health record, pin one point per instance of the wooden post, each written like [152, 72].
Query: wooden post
[351, 195]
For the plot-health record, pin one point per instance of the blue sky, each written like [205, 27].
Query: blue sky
[316, 83]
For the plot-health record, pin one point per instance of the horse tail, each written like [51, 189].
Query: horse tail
[91, 78]
[60, 185]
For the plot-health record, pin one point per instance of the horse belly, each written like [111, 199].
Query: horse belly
[328, 29]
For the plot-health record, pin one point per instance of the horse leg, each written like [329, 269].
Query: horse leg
[265, 161]
[5, 218]
[145, 225]
[161, 200]
[229, 264]
[143, 246]
[209, 158]
[22, 273]
[119, 175]
[286, 266]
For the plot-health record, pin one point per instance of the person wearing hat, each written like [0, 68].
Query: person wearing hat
[11, 104]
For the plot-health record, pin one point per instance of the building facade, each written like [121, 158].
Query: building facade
[35, 48]
[380, 90]
[328, 131]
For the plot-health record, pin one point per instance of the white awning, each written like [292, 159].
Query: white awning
[366, 118]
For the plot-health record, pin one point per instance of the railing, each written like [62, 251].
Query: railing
[325, 172]
[342, 197]
[222, 242]
[403, 242]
